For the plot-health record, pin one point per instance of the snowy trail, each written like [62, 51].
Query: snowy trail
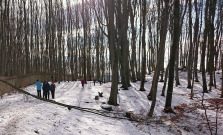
[33, 116]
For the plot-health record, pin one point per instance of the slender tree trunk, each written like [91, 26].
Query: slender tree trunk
[113, 52]
[204, 49]
[177, 54]
[222, 75]
[76, 41]
[122, 20]
[176, 68]
[165, 81]
[97, 56]
[26, 40]
[1, 39]
[163, 33]
[211, 41]
[133, 60]
[173, 51]
[190, 58]
[139, 48]
[85, 39]
[143, 70]
[89, 58]
[196, 41]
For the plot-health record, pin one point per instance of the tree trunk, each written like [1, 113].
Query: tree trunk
[165, 81]
[204, 49]
[139, 48]
[122, 20]
[176, 68]
[143, 70]
[190, 57]
[113, 52]
[163, 34]
[133, 60]
[85, 39]
[89, 58]
[222, 75]
[196, 41]
[211, 41]
[26, 40]
[172, 56]
[97, 57]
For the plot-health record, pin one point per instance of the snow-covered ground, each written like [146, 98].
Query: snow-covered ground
[19, 116]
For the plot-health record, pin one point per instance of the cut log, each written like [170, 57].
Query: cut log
[96, 98]
[107, 107]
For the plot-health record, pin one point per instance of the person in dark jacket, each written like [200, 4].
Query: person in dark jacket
[100, 81]
[46, 89]
[94, 81]
[52, 89]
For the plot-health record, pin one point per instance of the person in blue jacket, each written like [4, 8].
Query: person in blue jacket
[38, 85]
[46, 90]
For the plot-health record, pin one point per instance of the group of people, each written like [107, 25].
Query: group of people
[47, 88]
[100, 81]
[94, 80]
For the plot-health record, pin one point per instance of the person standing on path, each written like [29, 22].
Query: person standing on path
[82, 82]
[100, 81]
[52, 89]
[39, 85]
[94, 81]
[46, 89]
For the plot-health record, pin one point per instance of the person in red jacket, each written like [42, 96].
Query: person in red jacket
[82, 82]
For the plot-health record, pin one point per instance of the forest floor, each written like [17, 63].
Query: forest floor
[20, 115]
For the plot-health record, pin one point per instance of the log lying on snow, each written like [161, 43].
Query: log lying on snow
[107, 107]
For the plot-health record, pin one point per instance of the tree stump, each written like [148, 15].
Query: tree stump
[96, 98]
[129, 114]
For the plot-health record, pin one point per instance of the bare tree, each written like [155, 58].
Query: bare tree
[113, 52]
[204, 48]
[190, 56]
[163, 33]
[143, 70]
[132, 11]
[174, 47]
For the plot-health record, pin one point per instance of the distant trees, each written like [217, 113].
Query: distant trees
[112, 39]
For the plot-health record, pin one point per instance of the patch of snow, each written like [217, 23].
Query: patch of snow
[32, 116]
